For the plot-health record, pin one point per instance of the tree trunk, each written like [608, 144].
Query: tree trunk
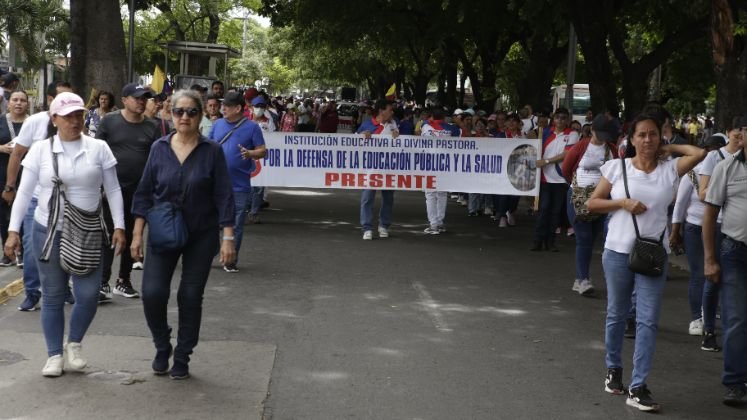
[544, 60]
[730, 59]
[591, 24]
[97, 48]
[635, 92]
[420, 82]
[462, 83]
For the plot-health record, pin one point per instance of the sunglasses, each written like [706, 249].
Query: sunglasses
[191, 112]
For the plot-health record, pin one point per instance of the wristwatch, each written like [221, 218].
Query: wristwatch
[547, 161]
[228, 238]
[9, 188]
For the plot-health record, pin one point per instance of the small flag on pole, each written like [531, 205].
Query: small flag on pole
[391, 94]
[159, 80]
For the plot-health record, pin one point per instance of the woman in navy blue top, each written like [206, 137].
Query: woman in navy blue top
[207, 205]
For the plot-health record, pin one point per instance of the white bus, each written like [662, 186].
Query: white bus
[581, 100]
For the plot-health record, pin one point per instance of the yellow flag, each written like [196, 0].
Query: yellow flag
[392, 92]
[159, 78]
[92, 98]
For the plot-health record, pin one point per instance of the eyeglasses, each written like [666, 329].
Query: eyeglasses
[191, 112]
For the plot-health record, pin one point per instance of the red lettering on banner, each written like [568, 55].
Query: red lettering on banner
[331, 178]
[389, 181]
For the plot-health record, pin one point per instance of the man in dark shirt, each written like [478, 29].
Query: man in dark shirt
[129, 135]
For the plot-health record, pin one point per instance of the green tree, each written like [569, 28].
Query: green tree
[729, 41]
[97, 49]
[187, 20]
[25, 22]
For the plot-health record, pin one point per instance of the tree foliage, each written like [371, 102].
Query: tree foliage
[27, 21]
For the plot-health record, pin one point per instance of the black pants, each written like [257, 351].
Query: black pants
[551, 206]
[197, 257]
[125, 262]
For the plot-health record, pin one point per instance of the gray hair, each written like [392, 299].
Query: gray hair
[190, 94]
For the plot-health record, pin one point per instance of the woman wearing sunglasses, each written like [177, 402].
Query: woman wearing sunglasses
[187, 170]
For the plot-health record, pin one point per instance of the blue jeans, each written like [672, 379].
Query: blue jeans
[702, 294]
[258, 198]
[54, 282]
[242, 201]
[475, 202]
[367, 204]
[734, 306]
[196, 257]
[586, 235]
[620, 285]
[31, 280]
[552, 201]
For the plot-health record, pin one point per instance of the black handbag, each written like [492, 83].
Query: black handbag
[648, 256]
[84, 233]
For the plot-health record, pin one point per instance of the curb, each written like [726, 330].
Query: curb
[13, 289]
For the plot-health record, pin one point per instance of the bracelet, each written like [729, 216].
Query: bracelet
[228, 238]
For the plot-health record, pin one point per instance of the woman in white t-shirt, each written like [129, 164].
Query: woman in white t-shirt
[652, 180]
[85, 165]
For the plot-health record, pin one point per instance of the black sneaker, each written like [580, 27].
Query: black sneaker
[613, 382]
[734, 395]
[630, 328]
[179, 370]
[5, 261]
[30, 303]
[230, 268]
[160, 363]
[710, 343]
[105, 293]
[124, 288]
[640, 398]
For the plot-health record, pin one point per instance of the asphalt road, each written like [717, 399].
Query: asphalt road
[464, 325]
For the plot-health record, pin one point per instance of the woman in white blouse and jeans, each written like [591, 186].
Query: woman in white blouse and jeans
[651, 180]
[85, 164]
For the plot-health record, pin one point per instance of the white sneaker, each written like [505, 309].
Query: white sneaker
[137, 265]
[585, 288]
[367, 235]
[503, 222]
[53, 367]
[430, 230]
[510, 219]
[74, 358]
[696, 327]
[383, 232]
[576, 285]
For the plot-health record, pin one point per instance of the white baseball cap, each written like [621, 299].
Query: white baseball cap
[65, 103]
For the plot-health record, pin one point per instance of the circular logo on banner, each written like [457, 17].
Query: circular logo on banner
[257, 168]
[522, 165]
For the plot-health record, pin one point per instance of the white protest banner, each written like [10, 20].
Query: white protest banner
[350, 161]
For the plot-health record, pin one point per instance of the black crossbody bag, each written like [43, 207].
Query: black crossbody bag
[648, 256]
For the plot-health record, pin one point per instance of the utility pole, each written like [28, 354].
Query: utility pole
[131, 42]
[571, 69]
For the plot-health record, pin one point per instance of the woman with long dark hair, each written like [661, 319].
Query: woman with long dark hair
[651, 179]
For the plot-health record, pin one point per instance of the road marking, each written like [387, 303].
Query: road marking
[13, 289]
[431, 307]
